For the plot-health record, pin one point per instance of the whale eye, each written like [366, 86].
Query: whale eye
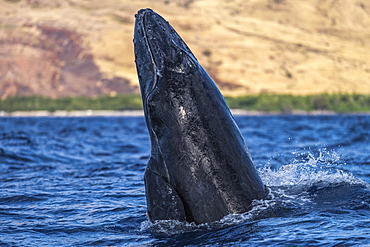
[151, 107]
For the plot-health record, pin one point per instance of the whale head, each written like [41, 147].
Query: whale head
[159, 52]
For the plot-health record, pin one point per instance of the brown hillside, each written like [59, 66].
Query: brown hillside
[78, 47]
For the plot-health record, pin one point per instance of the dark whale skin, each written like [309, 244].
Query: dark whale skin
[200, 169]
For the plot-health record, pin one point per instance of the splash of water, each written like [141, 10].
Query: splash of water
[308, 169]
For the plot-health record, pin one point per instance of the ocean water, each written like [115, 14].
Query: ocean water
[79, 182]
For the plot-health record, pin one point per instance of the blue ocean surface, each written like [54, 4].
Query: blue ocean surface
[79, 182]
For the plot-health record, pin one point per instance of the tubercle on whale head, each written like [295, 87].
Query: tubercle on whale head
[159, 50]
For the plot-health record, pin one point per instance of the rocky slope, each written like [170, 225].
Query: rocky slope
[77, 47]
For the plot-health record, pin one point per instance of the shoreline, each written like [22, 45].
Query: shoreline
[138, 113]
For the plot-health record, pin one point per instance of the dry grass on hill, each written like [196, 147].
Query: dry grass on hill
[248, 47]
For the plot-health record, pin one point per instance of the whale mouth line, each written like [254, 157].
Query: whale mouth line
[150, 50]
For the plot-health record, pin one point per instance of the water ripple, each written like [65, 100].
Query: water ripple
[79, 182]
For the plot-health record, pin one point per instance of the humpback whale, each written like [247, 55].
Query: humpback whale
[200, 169]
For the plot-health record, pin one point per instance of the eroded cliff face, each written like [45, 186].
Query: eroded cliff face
[52, 61]
[77, 47]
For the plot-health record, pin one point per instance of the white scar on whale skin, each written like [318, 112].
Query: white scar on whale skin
[182, 112]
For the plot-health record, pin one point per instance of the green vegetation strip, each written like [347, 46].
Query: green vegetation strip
[341, 103]
[34, 103]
